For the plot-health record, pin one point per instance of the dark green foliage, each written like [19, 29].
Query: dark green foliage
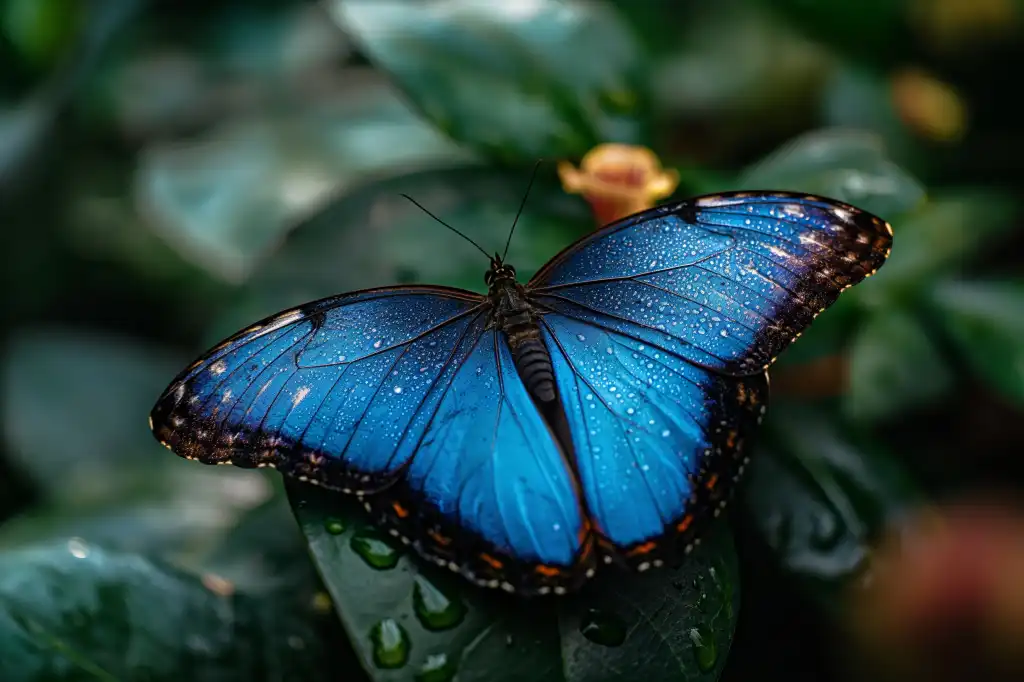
[169, 176]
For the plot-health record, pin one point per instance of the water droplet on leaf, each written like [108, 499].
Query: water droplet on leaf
[603, 628]
[374, 550]
[390, 644]
[334, 526]
[704, 649]
[438, 668]
[435, 609]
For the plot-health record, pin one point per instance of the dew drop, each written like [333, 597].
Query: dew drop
[704, 649]
[374, 550]
[434, 608]
[665, 433]
[398, 389]
[437, 668]
[581, 337]
[390, 644]
[603, 628]
[376, 344]
[334, 526]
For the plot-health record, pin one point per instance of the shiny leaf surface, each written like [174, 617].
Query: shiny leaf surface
[404, 618]
[527, 84]
[894, 366]
[985, 320]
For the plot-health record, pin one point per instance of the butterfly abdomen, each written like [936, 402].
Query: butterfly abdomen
[533, 363]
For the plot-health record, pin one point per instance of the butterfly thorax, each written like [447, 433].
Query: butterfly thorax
[517, 318]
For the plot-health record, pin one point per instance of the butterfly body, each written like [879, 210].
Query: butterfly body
[599, 413]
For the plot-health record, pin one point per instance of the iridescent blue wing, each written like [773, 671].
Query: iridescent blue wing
[725, 281]
[661, 327]
[404, 397]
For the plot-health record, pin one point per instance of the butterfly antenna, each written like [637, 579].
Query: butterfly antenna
[522, 204]
[420, 206]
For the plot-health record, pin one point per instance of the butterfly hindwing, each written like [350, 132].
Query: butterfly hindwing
[725, 281]
[658, 441]
[404, 396]
[493, 493]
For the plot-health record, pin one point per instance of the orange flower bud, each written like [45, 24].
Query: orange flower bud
[618, 180]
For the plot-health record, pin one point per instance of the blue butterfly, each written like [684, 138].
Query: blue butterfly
[599, 413]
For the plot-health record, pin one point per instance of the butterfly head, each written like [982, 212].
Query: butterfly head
[500, 273]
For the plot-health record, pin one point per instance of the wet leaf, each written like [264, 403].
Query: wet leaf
[894, 365]
[75, 408]
[850, 166]
[74, 414]
[228, 199]
[73, 611]
[820, 496]
[376, 238]
[620, 628]
[529, 82]
[985, 321]
[940, 239]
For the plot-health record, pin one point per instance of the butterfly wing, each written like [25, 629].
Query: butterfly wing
[725, 281]
[404, 397]
[661, 327]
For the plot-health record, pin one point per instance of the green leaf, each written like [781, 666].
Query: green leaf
[518, 81]
[375, 237]
[228, 199]
[819, 496]
[74, 611]
[943, 237]
[75, 409]
[850, 166]
[74, 414]
[894, 365]
[985, 321]
[404, 617]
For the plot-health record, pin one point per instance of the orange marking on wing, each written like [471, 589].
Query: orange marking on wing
[730, 442]
[491, 561]
[712, 481]
[401, 511]
[548, 571]
[685, 523]
[642, 549]
[439, 539]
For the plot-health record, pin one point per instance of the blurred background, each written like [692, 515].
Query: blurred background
[172, 171]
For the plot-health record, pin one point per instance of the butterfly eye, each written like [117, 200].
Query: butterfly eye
[511, 271]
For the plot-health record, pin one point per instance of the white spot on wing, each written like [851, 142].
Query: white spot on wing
[300, 395]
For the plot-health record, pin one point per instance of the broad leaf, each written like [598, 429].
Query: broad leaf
[405, 618]
[847, 165]
[820, 497]
[940, 239]
[228, 199]
[985, 320]
[376, 237]
[894, 365]
[75, 409]
[531, 80]
[73, 611]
